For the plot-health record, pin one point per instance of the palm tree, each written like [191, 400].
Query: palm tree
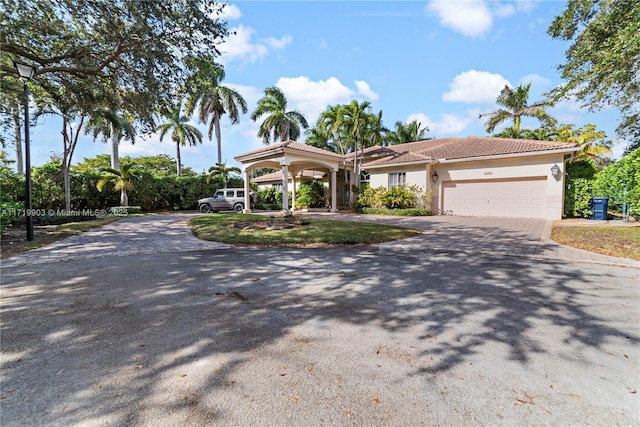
[182, 133]
[545, 133]
[279, 123]
[317, 137]
[591, 140]
[223, 171]
[407, 132]
[215, 101]
[109, 124]
[123, 180]
[515, 106]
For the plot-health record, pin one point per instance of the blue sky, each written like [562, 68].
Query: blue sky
[441, 62]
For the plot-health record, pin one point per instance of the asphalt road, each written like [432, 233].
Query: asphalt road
[320, 336]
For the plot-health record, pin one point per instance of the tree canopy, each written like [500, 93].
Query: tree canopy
[603, 60]
[138, 46]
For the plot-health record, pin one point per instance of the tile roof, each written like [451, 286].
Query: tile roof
[292, 145]
[457, 148]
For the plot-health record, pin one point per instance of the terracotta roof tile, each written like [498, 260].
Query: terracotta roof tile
[292, 145]
[457, 148]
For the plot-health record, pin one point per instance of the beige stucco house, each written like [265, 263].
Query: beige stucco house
[472, 176]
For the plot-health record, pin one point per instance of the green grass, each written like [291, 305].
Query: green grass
[318, 232]
[622, 242]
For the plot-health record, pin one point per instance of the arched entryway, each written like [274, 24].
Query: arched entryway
[292, 157]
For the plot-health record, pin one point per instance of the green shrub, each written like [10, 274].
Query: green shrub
[578, 187]
[620, 181]
[577, 197]
[395, 198]
[398, 198]
[11, 213]
[311, 195]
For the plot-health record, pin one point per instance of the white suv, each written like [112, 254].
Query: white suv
[225, 199]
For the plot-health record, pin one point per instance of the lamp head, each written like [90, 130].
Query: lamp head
[25, 70]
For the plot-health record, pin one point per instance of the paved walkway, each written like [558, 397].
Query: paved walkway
[171, 233]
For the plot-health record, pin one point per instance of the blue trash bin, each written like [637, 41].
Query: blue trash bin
[599, 207]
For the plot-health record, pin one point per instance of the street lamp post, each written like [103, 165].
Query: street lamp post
[27, 72]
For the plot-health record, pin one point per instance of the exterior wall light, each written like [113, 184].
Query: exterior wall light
[555, 170]
[435, 176]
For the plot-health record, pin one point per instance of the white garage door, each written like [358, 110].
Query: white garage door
[523, 198]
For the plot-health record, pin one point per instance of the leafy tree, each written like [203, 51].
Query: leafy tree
[123, 180]
[407, 132]
[279, 123]
[159, 165]
[108, 124]
[515, 105]
[181, 132]
[11, 107]
[141, 44]
[223, 171]
[215, 101]
[603, 60]
[73, 103]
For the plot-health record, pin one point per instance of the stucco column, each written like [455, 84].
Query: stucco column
[334, 192]
[293, 192]
[247, 193]
[285, 187]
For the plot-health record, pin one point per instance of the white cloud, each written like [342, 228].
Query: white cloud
[278, 43]
[365, 90]
[475, 87]
[312, 97]
[239, 46]
[231, 12]
[470, 18]
[537, 81]
[504, 10]
[446, 124]
[474, 18]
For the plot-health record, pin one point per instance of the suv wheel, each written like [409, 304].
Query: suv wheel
[205, 208]
[238, 207]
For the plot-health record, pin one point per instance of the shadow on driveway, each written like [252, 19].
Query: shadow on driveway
[309, 336]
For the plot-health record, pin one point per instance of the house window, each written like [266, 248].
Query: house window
[279, 187]
[365, 177]
[398, 179]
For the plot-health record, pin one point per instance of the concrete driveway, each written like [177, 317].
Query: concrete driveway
[391, 335]
[523, 237]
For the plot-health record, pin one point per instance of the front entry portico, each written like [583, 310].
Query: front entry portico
[292, 157]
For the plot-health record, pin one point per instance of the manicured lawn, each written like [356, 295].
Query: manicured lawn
[614, 241]
[252, 230]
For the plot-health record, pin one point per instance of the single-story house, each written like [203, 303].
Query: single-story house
[472, 176]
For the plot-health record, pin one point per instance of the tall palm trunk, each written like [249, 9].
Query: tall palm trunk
[216, 118]
[178, 161]
[115, 161]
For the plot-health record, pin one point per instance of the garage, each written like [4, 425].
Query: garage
[518, 197]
